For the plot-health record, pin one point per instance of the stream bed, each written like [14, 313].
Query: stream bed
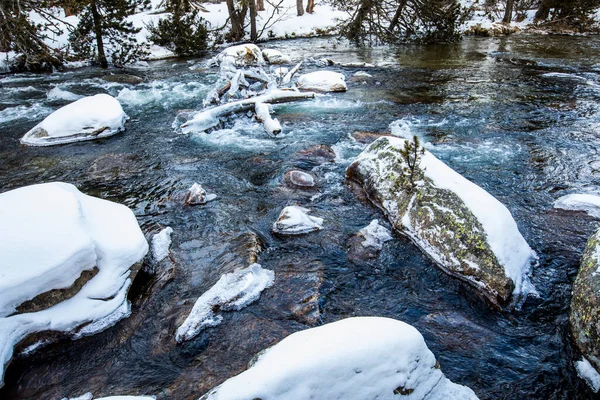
[517, 115]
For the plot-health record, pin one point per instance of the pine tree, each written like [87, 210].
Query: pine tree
[104, 22]
[412, 153]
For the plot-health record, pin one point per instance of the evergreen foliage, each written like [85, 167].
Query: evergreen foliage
[103, 22]
[184, 35]
[412, 153]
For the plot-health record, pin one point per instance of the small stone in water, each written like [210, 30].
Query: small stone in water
[197, 195]
[299, 178]
[295, 220]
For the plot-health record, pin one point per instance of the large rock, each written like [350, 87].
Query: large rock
[585, 303]
[275, 57]
[353, 359]
[66, 262]
[241, 55]
[587, 203]
[323, 81]
[464, 229]
[92, 117]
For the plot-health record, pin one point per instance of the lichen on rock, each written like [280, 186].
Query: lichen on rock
[465, 230]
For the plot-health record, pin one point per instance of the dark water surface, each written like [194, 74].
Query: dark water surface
[519, 116]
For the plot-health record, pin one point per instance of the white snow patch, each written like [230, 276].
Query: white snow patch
[56, 93]
[161, 243]
[89, 118]
[375, 235]
[233, 291]
[588, 373]
[580, 202]
[323, 81]
[295, 220]
[352, 359]
[275, 57]
[50, 234]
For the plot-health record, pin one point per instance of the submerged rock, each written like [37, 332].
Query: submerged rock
[67, 263]
[295, 220]
[368, 242]
[368, 137]
[92, 117]
[115, 166]
[464, 229]
[323, 81]
[123, 78]
[585, 303]
[352, 359]
[299, 179]
[319, 153]
[233, 291]
[588, 203]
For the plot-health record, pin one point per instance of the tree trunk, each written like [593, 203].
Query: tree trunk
[252, 6]
[237, 21]
[310, 7]
[98, 33]
[260, 5]
[300, 7]
[510, 4]
[397, 16]
[543, 11]
[355, 28]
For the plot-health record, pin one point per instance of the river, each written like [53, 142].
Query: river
[517, 115]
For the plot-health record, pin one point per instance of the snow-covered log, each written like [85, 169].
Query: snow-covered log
[271, 125]
[207, 119]
[360, 358]
[288, 77]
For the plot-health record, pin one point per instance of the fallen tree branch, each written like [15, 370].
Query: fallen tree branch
[288, 77]
[210, 118]
[263, 115]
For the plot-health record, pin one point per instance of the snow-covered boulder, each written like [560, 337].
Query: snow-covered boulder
[588, 373]
[585, 303]
[323, 81]
[52, 234]
[464, 229]
[275, 57]
[241, 55]
[375, 235]
[588, 203]
[91, 117]
[233, 291]
[352, 359]
[295, 220]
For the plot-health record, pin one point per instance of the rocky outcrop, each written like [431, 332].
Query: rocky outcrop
[465, 230]
[585, 303]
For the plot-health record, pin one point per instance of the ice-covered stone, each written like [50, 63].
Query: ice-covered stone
[352, 359]
[161, 243]
[586, 372]
[323, 81]
[51, 234]
[588, 203]
[241, 55]
[275, 57]
[233, 291]
[196, 195]
[375, 235]
[300, 179]
[91, 117]
[464, 229]
[295, 220]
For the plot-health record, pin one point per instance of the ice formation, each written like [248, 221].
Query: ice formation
[295, 220]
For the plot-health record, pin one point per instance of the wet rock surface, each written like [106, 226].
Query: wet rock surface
[299, 179]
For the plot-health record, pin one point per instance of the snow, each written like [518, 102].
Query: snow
[89, 396]
[233, 291]
[88, 118]
[275, 57]
[375, 235]
[588, 373]
[323, 81]
[197, 195]
[352, 359]
[295, 220]
[580, 202]
[161, 243]
[271, 125]
[57, 93]
[50, 233]
[241, 55]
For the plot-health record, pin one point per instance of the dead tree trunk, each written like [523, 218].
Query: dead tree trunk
[260, 5]
[543, 11]
[300, 7]
[510, 4]
[310, 7]
[397, 15]
[253, 34]
[237, 21]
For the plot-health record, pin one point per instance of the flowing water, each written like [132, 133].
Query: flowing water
[519, 116]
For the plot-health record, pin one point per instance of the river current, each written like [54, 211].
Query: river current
[517, 115]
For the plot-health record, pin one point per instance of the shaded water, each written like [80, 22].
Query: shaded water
[518, 116]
